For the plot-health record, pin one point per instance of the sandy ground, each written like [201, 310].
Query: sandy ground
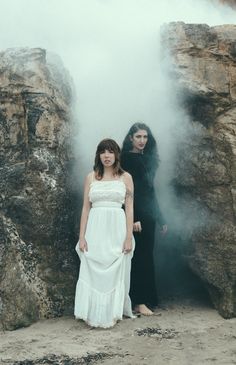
[180, 334]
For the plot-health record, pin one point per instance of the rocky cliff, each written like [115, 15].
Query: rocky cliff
[37, 207]
[204, 68]
[228, 2]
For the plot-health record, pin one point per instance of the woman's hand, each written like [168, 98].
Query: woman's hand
[137, 227]
[127, 247]
[83, 245]
[164, 229]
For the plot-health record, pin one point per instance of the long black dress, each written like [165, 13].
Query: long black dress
[147, 211]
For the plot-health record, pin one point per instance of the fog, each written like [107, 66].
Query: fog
[112, 50]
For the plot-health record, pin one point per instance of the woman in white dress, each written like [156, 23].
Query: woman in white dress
[106, 242]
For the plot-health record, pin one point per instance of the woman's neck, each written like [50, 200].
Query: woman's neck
[135, 150]
[108, 173]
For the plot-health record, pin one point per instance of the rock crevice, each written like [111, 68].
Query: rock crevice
[204, 66]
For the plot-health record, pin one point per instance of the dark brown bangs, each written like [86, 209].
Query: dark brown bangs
[109, 145]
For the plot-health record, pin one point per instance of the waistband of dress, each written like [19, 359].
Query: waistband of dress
[106, 204]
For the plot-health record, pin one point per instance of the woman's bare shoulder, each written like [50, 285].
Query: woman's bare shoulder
[90, 177]
[127, 177]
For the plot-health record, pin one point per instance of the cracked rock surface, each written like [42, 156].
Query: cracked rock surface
[37, 209]
[204, 68]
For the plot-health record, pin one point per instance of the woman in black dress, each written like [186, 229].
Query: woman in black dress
[140, 158]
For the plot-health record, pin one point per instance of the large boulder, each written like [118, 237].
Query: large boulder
[228, 2]
[204, 68]
[37, 208]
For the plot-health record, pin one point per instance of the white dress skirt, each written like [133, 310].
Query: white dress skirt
[102, 291]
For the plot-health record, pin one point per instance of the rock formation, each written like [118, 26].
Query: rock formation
[228, 2]
[37, 207]
[204, 68]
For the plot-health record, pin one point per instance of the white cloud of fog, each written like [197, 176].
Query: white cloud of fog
[111, 49]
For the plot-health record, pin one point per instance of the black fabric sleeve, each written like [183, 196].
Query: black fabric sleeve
[160, 218]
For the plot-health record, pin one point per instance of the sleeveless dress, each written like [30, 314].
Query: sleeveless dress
[102, 291]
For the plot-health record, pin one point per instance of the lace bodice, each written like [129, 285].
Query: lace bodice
[112, 191]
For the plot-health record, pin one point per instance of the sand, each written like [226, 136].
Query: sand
[177, 334]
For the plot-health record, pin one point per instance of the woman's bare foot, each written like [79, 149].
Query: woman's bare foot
[143, 309]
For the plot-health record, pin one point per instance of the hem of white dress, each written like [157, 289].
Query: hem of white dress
[104, 325]
[99, 325]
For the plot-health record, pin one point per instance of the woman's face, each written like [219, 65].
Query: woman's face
[107, 158]
[139, 140]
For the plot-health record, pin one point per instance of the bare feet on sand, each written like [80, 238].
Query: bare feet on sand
[143, 309]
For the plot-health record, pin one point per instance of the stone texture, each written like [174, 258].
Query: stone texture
[204, 68]
[228, 2]
[38, 267]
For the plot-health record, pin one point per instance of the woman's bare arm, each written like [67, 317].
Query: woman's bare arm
[84, 214]
[129, 212]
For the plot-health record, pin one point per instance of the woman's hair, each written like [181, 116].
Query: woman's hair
[151, 146]
[111, 146]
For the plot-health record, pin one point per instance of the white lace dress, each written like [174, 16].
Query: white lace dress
[102, 291]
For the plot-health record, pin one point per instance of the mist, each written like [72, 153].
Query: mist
[112, 51]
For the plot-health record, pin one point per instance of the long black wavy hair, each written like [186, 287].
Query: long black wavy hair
[151, 146]
[111, 146]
